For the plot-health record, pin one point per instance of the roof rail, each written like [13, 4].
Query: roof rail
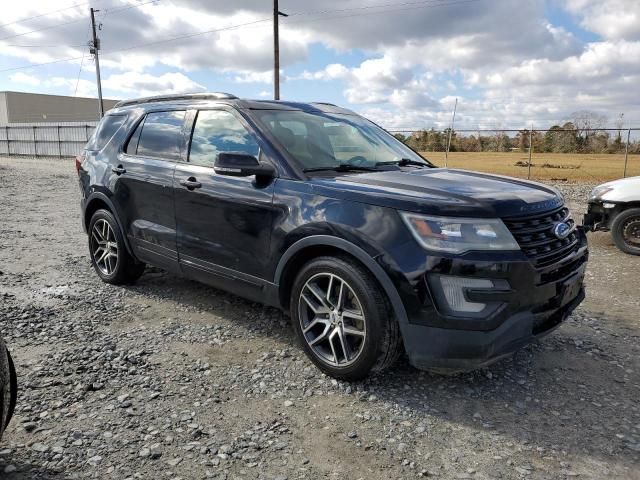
[324, 103]
[174, 97]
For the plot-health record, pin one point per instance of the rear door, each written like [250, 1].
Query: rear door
[144, 186]
[224, 223]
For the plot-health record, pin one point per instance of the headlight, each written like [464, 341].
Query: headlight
[458, 235]
[599, 192]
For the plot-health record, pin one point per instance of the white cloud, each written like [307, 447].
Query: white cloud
[518, 67]
[24, 79]
[256, 77]
[613, 19]
[142, 84]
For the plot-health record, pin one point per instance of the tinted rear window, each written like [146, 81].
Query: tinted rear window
[105, 131]
[161, 135]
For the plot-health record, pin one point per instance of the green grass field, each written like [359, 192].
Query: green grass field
[569, 167]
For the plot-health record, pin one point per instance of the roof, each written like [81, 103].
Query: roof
[202, 99]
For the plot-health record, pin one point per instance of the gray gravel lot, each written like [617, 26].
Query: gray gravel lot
[172, 379]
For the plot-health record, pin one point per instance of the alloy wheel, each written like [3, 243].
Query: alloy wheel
[104, 247]
[332, 319]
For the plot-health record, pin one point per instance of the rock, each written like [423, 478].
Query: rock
[39, 447]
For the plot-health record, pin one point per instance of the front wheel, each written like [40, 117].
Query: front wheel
[625, 230]
[342, 319]
[109, 255]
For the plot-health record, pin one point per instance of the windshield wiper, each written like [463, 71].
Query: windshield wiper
[404, 162]
[343, 167]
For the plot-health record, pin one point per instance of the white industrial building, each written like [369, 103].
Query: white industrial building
[31, 108]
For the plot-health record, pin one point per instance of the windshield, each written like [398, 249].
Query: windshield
[319, 140]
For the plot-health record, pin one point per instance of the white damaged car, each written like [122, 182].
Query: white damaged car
[615, 207]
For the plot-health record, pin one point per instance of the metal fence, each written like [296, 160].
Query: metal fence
[556, 154]
[45, 139]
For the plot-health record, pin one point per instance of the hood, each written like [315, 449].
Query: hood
[623, 190]
[440, 191]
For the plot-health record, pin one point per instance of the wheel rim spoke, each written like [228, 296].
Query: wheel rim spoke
[352, 331]
[353, 315]
[321, 337]
[332, 320]
[343, 343]
[319, 295]
[317, 309]
[333, 349]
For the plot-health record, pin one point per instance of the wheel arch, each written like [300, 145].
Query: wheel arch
[310, 247]
[98, 201]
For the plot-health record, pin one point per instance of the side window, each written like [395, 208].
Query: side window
[218, 131]
[161, 135]
[132, 145]
[105, 131]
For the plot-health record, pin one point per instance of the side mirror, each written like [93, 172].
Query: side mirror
[242, 165]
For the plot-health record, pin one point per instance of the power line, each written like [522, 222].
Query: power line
[189, 35]
[368, 7]
[51, 27]
[44, 46]
[24, 19]
[33, 65]
[75, 91]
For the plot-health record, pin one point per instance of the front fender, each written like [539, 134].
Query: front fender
[371, 263]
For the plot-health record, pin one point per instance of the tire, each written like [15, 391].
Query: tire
[348, 335]
[108, 252]
[8, 387]
[625, 230]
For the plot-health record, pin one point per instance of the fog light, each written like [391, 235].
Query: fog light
[608, 205]
[454, 289]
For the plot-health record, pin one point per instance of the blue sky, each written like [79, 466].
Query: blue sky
[403, 64]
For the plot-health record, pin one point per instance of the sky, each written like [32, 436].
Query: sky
[402, 63]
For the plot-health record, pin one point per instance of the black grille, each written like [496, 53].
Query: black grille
[535, 236]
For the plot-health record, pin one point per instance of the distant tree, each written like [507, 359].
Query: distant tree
[587, 124]
[400, 137]
[560, 139]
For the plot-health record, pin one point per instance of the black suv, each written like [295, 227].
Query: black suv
[318, 211]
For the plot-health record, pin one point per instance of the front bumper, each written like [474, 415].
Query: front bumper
[597, 217]
[536, 302]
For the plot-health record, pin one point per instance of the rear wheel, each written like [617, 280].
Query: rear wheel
[8, 387]
[625, 230]
[342, 319]
[109, 255]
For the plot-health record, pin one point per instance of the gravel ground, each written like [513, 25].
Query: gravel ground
[172, 379]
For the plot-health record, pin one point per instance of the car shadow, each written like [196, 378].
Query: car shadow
[10, 470]
[573, 391]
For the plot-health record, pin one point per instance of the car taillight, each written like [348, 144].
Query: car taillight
[79, 160]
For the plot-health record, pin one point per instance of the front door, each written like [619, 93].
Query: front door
[224, 223]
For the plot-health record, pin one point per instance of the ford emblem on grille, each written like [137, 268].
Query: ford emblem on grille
[561, 230]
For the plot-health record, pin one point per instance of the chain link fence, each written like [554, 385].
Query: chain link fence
[556, 154]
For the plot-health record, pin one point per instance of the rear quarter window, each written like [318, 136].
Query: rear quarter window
[105, 131]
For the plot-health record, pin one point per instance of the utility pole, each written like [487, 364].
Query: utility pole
[276, 49]
[626, 153]
[94, 46]
[453, 119]
[530, 152]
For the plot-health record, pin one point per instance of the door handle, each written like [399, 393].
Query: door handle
[191, 183]
[119, 170]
